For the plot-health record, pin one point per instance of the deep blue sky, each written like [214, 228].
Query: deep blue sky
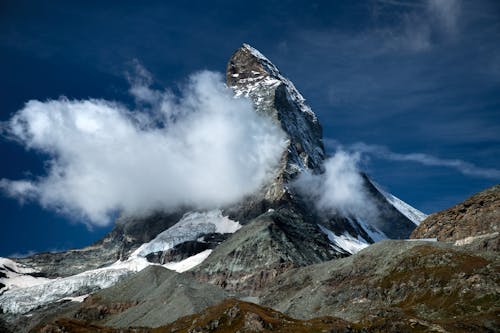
[411, 76]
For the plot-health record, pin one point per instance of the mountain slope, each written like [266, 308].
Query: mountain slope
[271, 244]
[153, 297]
[478, 215]
[453, 287]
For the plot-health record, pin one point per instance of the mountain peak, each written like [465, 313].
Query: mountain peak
[248, 69]
[251, 74]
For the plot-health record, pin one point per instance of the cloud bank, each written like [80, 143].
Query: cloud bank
[339, 189]
[203, 149]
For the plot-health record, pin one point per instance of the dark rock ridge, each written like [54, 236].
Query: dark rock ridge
[478, 215]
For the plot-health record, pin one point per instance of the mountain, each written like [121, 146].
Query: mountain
[242, 248]
[286, 230]
[477, 215]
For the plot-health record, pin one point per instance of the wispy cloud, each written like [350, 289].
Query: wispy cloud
[340, 189]
[416, 26]
[446, 13]
[383, 152]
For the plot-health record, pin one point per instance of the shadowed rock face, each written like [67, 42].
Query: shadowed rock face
[271, 244]
[478, 215]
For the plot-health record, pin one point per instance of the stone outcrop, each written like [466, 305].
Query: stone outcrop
[477, 215]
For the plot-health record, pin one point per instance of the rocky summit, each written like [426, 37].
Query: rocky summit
[273, 261]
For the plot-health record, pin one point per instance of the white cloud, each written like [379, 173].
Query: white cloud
[340, 189]
[461, 166]
[103, 157]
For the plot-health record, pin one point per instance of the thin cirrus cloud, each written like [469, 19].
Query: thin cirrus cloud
[203, 149]
[420, 23]
[379, 151]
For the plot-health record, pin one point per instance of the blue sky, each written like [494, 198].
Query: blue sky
[414, 85]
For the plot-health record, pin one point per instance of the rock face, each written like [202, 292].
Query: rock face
[251, 74]
[271, 244]
[478, 215]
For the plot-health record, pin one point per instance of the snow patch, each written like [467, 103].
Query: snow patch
[17, 275]
[192, 226]
[78, 299]
[375, 234]
[188, 263]
[345, 242]
[410, 212]
[471, 239]
[24, 293]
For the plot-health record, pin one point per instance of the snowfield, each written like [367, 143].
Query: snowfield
[192, 226]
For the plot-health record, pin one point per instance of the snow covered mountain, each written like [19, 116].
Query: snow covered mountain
[243, 247]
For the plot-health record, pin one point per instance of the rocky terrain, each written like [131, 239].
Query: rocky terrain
[229, 316]
[453, 287]
[391, 286]
[478, 215]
